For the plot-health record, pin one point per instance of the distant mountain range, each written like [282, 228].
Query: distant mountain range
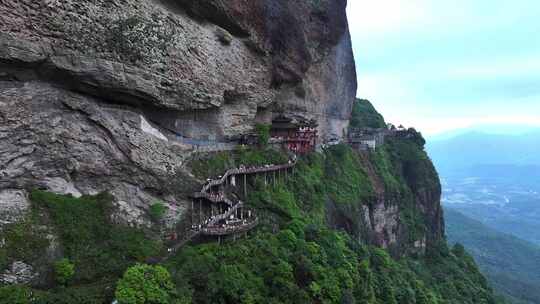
[474, 148]
[491, 193]
[511, 265]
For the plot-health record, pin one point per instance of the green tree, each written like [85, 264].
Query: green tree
[365, 115]
[64, 271]
[263, 133]
[157, 210]
[146, 284]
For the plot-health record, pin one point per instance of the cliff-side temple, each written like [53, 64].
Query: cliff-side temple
[296, 137]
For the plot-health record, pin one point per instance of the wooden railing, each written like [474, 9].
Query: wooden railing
[230, 229]
[214, 198]
[247, 170]
[225, 215]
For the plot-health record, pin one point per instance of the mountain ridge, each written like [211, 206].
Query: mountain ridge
[511, 264]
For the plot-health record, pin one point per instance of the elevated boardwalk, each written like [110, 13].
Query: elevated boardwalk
[247, 170]
[232, 225]
[230, 229]
[214, 198]
[204, 229]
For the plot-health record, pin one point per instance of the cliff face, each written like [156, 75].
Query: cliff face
[222, 58]
[405, 214]
[399, 208]
[91, 91]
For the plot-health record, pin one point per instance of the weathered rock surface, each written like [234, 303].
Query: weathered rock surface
[18, 273]
[91, 91]
[281, 56]
[68, 143]
[13, 205]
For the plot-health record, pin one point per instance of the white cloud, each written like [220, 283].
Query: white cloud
[437, 125]
[490, 68]
[439, 65]
[368, 18]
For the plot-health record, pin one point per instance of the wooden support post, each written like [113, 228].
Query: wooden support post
[245, 185]
[200, 211]
[192, 211]
[274, 173]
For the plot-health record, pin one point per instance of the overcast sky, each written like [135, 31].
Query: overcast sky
[439, 64]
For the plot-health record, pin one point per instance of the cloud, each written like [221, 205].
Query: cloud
[439, 64]
[386, 16]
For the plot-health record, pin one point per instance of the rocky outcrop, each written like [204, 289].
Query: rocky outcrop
[69, 143]
[13, 205]
[93, 92]
[291, 57]
[18, 273]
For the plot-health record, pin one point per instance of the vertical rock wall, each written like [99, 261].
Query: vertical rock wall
[93, 92]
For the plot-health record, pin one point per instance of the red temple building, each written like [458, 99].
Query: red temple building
[300, 138]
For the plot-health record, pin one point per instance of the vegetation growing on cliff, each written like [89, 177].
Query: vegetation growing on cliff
[93, 251]
[306, 262]
[406, 172]
[294, 257]
[364, 115]
[218, 163]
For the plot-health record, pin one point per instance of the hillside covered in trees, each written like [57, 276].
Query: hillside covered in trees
[313, 245]
[511, 265]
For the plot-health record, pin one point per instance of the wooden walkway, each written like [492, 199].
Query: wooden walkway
[194, 232]
[247, 170]
[214, 198]
[245, 226]
[209, 227]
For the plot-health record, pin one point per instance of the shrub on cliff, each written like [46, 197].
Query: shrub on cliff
[263, 134]
[157, 211]
[23, 241]
[64, 271]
